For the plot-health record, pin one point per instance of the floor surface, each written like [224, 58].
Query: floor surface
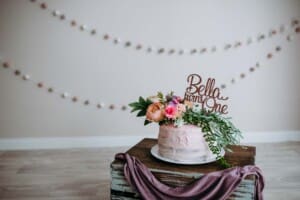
[83, 174]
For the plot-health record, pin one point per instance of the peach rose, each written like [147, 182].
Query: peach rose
[155, 112]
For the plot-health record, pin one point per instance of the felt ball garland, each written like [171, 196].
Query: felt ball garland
[162, 49]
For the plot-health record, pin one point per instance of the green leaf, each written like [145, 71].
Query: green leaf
[146, 122]
[141, 100]
[140, 105]
[160, 95]
[134, 109]
[133, 104]
[141, 113]
[148, 102]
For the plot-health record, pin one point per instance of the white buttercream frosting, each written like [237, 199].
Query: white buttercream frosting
[184, 143]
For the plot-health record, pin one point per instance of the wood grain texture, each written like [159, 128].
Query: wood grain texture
[83, 174]
[56, 174]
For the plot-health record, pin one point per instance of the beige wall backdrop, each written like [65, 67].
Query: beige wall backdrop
[64, 57]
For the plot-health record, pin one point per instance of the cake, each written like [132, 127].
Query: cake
[182, 127]
[185, 143]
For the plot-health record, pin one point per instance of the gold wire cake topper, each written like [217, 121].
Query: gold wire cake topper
[205, 94]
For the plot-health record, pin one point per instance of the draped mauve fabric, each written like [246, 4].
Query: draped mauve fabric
[212, 186]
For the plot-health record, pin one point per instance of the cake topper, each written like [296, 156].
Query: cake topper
[206, 94]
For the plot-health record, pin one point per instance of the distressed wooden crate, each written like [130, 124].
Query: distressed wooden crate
[180, 175]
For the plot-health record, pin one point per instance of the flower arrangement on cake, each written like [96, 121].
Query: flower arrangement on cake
[182, 125]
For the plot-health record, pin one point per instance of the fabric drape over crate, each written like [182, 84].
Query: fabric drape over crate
[214, 185]
[181, 175]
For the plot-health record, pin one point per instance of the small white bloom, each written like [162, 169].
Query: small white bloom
[196, 107]
[179, 122]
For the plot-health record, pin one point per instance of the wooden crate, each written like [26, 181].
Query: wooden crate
[180, 175]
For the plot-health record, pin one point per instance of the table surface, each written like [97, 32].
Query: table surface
[240, 156]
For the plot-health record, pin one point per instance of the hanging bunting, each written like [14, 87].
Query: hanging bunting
[59, 92]
[161, 50]
[100, 105]
[251, 69]
[258, 65]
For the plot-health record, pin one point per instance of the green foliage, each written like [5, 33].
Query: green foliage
[147, 122]
[219, 132]
[141, 106]
[160, 95]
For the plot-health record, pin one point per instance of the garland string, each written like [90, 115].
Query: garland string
[161, 49]
[99, 105]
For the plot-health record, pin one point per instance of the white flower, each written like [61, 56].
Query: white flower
[196, 107]
[179, 122]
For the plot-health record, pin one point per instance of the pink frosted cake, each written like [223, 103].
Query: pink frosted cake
[185, 143]
[180, 137]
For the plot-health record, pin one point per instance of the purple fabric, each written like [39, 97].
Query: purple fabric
[215, 185]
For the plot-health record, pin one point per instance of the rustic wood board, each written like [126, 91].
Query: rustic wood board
[179, 175]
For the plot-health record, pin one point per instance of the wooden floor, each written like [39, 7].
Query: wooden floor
[83, 174]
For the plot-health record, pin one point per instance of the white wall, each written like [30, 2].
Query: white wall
[268, 100]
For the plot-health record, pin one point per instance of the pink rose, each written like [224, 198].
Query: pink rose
[155, 112]
[171, 111]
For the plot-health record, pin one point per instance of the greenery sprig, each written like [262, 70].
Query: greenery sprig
[219, 132]
[141, 106]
